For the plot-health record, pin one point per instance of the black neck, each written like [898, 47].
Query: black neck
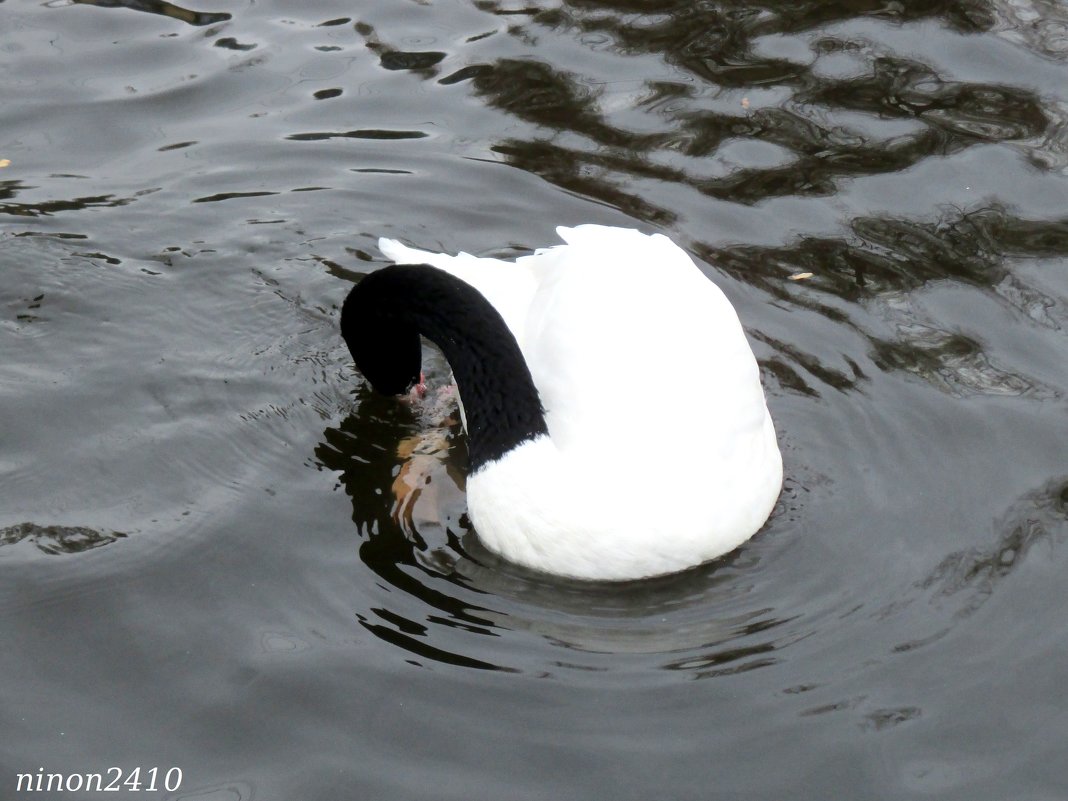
[385, 314]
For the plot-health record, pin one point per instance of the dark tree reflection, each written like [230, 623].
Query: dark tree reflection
[583, 147]
[954, 116]
[892, 257]
[162, 8]
[888, 254]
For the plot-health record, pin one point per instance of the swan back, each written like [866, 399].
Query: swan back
[630, 343]
[660, 452]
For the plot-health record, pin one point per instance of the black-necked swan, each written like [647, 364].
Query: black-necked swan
[617, 427]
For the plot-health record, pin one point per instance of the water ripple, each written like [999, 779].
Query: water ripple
[878, 187]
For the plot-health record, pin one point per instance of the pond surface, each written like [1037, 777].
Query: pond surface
[204, 563]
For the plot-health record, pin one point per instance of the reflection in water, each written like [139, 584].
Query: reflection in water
[365, 451]
[374, 464]
[1039, 25]
[743, 125]
[10, 189]
[230, 43]
[953, 363]
[966, 579]
[670, 134]
[715, 47]
[884, 261]
[57, 540]
[972, 575]
[888, 255]
[163, 8]
[402, 464]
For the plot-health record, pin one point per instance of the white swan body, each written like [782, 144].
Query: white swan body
[661, 453]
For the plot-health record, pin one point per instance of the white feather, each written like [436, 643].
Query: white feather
[661, 453]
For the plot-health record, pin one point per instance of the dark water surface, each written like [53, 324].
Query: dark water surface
[202, 562]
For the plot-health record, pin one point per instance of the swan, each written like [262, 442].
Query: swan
[617, 427]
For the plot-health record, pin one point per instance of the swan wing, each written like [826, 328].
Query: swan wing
[507, 286]
[625, 331]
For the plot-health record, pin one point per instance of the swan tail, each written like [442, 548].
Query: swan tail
[400, 253]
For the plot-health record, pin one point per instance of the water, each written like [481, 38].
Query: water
[202, 563]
